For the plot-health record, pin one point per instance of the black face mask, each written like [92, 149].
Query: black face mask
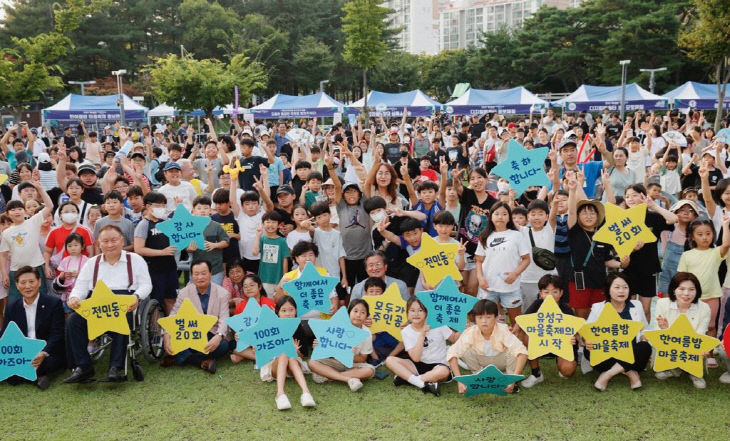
[45, 166]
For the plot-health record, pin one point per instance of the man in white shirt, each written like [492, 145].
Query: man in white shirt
[124, 273]
[176, 190]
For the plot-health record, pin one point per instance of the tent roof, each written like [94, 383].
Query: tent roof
[95, 102]
[412, 98]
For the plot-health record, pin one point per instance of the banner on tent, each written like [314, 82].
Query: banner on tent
[93, 115]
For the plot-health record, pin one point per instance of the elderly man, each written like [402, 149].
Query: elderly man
[207, 298]
[38, 316]
[124, 273]
[376, 266]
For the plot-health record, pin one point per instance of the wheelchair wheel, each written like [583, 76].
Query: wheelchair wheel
[98, 346]
[137, 371]
[150, 331]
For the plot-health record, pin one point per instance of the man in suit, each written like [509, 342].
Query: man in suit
[207, 298]
[39, 316]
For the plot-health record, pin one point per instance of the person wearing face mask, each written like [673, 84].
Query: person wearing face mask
[55, 242]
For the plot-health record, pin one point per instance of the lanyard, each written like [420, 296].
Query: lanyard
[588, 256]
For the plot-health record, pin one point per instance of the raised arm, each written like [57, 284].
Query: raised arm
[61, 167]
[211, 129]
[572, 184]
[707, 191]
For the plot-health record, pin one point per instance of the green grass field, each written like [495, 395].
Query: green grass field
[189, 404]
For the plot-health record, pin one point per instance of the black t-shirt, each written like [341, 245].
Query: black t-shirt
[473, 218]
[251, 166]
[476, 130]
[435, 157]
[694, 180]
[645, 262]
[285, 217]
[297, 185]
[594, 271]
[230, 226]
[157, 240]
[564, 308]
[93, 196]
[455, 155]
[70, 141]
[614, 129]
[392, 152]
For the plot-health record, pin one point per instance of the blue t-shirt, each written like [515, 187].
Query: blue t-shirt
[592, 172]
[274, 170]
[428, 223]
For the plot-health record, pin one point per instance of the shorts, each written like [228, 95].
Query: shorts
[643, 286]
[164, 285]
[470, 264]
[508, 300]
[339, 367]
[250, 266]
[266, 373]
[586, 298]
[422, 368]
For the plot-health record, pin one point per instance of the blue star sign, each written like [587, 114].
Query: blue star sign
[489, 380]
[184, 228]
[16, 353]
[523, 168]
[311, 290]
[446, 306]
[245, 321]
[272, 336]
[336, 337]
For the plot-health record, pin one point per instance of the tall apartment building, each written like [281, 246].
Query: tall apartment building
[461, 22]
[418, 21]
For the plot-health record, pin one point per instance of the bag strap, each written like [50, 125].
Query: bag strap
[130, 277]
[532, 239]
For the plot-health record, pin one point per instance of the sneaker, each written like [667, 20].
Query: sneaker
[355, 384]
[698, 382]
[663, 375]
[319, 379]
[432, 388]
[585, 364]
[282, 402]
[711, 363]
[305, 368]
[560, 374]
[532, 380]
[307, 400]
[398, 381]
[462, 364]
[725, 378]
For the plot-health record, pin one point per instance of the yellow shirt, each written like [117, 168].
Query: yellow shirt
[704, 264]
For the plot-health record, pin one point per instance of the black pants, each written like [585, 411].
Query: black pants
[642, 351]
[355, 271]
[564, 271]
[52, 363]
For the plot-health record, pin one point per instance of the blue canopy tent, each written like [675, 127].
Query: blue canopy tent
[89, 108]
[699, 96]
[163, 110]
[596, 98]
[290, 106]
[392, 104]
[515, 101]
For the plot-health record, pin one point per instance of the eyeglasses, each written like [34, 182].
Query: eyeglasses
[375, 265]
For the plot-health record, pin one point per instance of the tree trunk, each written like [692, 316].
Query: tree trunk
[365, 97]
[722, 75]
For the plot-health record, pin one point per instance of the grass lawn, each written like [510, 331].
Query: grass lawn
[189, 404]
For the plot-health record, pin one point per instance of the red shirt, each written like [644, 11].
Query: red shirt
[264, 301]
[430, 174]
[57, 239]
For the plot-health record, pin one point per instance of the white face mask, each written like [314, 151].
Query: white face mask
[503, 186]
[378, 217]
[159, 212]
[406, 139]
[69, 218]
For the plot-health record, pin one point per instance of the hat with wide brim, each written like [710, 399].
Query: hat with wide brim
[682, 202]
[597, 205]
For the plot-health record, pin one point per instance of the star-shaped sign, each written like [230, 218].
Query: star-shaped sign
[233, 171]
[311, 290]
[388, 311]
[436, 260]
[16, 353]
[336, 337]
[446, 305]
[188, 328]
[623, 228]
[523, 168]
[3, 178]
[680, 346]
[550, 330]
[611, 336]
[245, 321]
[105, 311]
[183, 228]
[272, 336]
[489, 380]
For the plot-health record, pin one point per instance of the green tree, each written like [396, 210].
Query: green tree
[363, 26]
[261, 41]
[313, 62]
[707, 39]
[398, 71]
[188, 84]
[442, 71]
[207, 27]
[494, 65]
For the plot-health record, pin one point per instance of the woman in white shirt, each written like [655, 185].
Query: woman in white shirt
[426, 364]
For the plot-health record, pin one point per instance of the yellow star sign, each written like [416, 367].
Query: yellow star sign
[611, 336]
[105, 311]
[436, 260]
[388, 311]
[623, 228]
[3, 178]
[188, 328]
[680, 346]
[550, 330]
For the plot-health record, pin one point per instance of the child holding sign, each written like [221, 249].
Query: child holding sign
[548, 285]
[253, 289]
[278, 368]
[332, 369]
[426, 364]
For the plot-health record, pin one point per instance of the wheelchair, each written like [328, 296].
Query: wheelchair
[145, 338]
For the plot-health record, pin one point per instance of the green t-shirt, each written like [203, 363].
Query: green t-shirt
[310, 197]
[273, 252]
[213, 233]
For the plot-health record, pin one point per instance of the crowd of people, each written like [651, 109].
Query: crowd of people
[83, 206]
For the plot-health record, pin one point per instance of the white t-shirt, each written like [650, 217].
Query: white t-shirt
[184, 191]
[21, 241]
[434, 344]
[656, 145]
[330, 250]
[247, 226]
[636, 163]
[294, 237]
[366, 346]
[544, 238]
[501, 256]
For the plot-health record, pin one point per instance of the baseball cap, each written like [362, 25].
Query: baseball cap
[511, 125]
[44, 157]
[86, 167]
[172, 166]
[350, 185]
[285, 189]
[328, 182]
[568, 142]
[137, 155]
